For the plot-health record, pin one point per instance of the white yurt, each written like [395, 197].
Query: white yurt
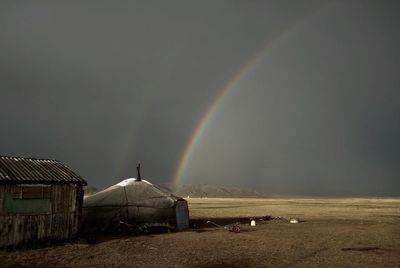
[134, 201]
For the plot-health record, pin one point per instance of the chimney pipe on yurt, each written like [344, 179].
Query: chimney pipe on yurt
[139, 178]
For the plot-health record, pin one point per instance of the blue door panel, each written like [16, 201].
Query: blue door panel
[182, 215]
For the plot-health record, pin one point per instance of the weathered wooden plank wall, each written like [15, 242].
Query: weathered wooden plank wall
[61, 222]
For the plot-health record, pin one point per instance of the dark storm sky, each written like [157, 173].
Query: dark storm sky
[102, 85]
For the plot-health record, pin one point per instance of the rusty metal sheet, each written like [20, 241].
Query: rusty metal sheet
[31, 170]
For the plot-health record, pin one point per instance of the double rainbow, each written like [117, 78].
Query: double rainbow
[223, 93]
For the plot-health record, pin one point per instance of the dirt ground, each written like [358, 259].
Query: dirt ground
[332, 233]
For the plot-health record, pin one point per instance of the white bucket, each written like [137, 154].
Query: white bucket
[253, 223]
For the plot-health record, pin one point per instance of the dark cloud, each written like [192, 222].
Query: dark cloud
[103, 85]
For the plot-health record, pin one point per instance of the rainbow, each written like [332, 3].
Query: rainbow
[209, 113]
[205, 119]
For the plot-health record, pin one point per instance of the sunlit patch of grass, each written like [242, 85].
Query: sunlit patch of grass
[338, 208]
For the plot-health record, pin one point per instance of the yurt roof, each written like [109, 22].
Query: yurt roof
[131, 192]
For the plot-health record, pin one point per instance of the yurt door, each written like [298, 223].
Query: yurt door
[182, 215]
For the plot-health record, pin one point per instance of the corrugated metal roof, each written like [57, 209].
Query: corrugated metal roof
[30, 170]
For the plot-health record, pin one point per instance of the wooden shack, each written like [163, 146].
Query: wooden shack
[40, 201]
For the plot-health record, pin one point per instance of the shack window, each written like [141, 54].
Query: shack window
[28, 199]
[31, 192]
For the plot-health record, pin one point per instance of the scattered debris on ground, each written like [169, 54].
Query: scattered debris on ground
[271, 218]
[233, 227]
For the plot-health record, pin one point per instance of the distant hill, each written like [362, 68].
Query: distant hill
[91, 190]
[198, 190]
[206, 190]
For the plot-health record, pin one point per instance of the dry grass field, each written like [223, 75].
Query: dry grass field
[332, 233]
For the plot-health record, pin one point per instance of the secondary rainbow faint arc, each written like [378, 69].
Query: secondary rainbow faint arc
[200, 127]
